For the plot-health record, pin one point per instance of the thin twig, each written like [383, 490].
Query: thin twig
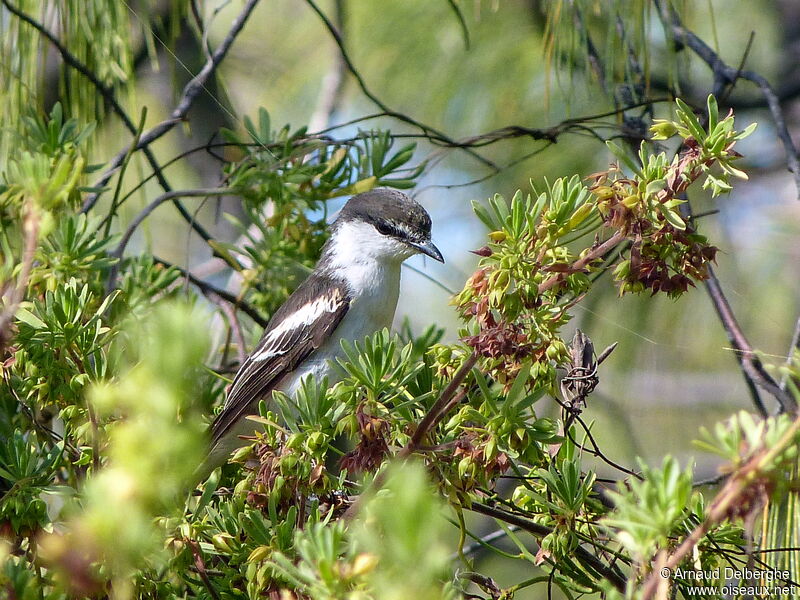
[725, 75]
[750, 363]
[95, 424]
[597, 252]
[614, 576]
[120, 249]
[728, 499]
[427, 129]
[200, 565]
[462, 22]
[208, 289]
[106, 92]
[126, 236]
[189, 95]
[484, 541]
[236, 327]
[794, 346]
[437, 411]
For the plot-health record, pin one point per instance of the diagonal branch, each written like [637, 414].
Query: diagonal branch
[613, 575]
[146, 212]
[428, 130]
[108, 95]
[750, 363]
[794, 346]
[730, 499]
[725, 75]
[105, 91]
[189, 95]
[212, 291]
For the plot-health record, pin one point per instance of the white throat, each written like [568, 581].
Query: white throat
[366, 260]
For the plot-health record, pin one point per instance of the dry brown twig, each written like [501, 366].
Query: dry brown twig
[738, 485]
[12, 299]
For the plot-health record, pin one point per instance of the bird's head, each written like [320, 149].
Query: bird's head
[384, 225]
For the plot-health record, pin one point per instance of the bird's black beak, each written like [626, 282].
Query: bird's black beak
[428, 249]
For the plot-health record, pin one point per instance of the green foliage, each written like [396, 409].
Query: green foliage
[26, 473]
[403, 528]
[648, 512]
[740, 437]
[73, 249]
[149, 442]
[44, 175]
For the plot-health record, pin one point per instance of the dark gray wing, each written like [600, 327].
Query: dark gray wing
[301, 325]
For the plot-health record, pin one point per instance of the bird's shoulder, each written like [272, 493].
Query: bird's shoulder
[313, 305]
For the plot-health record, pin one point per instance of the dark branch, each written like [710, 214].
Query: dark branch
[428, 130]
[106, 92]
[748, 360]
[158, 202]
[614, 576]
[725, 75]
[794, 346]
[209, 289]
[190, 93]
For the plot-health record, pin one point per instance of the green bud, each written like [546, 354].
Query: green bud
[663, 130]
[603, 192]
[294, 442]
[631, 201]
[579, 216]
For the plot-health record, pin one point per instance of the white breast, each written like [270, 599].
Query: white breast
[373, 281]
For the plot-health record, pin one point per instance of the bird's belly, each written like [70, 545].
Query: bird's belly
[366, 316]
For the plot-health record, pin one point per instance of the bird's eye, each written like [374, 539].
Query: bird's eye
[384, 228]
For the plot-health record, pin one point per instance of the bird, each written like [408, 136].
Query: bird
[351, 293]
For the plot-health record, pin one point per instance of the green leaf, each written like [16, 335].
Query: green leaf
[29, 318]
[673, 218]
[713, 112]
[515, 394]
[208, 490]
[622, 155]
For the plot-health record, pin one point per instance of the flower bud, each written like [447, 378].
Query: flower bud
[631, 201]
[663, 130]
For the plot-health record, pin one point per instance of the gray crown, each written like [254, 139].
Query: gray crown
[391, 212]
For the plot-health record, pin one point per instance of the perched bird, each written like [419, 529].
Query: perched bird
[351, 293]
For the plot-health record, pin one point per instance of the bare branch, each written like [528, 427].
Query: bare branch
[120, 249]
[738, 485]
[377, 101]
[211, 290]
[725, 75]
[613, 575]
[106, 92]
[794, 346]
[750, 363]
[236, 327]
[190, 93]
